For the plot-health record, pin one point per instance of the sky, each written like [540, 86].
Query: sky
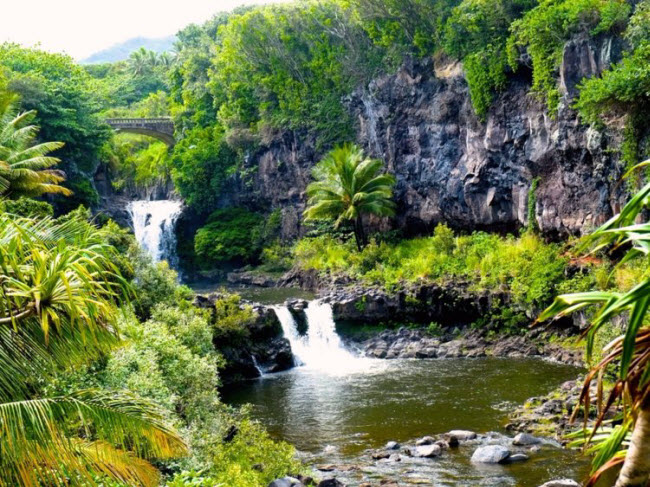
[83, 27]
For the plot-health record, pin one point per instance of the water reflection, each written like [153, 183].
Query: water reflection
[405, 399]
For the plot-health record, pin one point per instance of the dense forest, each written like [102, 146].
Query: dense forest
[111, 374]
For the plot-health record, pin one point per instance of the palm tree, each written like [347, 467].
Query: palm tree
[142, 62]
[348, 186]
[58, 293]
[629, 442]
[166, 59]
[25, 167]
[139, 62]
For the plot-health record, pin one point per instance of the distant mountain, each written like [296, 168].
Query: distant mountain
[121, 51]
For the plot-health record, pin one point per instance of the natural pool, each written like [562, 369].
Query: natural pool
[334, 417]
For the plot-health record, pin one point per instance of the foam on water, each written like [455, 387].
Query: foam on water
[321, 349]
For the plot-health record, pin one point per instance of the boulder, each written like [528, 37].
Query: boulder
[427, 451]
[286, 482]
[330, 483]
[380, 455]
[490, 454]
[452, 441]
[525, 439]
[463, 435]
[427, 440]
[392, 445]
[517, 457]
[561, 483]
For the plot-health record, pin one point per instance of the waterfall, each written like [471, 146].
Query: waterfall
[321, 348]
[153, 225]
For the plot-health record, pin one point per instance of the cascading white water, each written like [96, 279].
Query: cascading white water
[153, 225]
[321, 347]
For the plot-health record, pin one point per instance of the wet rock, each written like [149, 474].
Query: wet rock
[306, 480]
[516, 458]
[330, 483]
[462, 435]
[380, 455]
[525, 439]
[286, 482]
[252, 279]
[490, 454]
[427, 440]
[443, 444]
[392, 445]
[452, 440]
[427, 451]
[561, 483]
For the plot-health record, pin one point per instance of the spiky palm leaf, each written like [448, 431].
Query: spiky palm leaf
[347, 186]
[629, 353]
[58, 293]
[25, 167]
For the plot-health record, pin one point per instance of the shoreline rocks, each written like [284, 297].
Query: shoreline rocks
[395, 465]
[417, 343]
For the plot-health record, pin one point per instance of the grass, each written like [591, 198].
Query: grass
[525, 267]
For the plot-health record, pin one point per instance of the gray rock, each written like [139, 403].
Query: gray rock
[427, 451]
[525, 439]
[490, 454]
[380, 455]
[561, 483]
[330, 483]
[392, 445]
[427, 440]
[463, 435]
[286, 482]
[517, 457]
[452, 441]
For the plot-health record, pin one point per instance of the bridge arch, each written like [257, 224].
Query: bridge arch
[161, 128]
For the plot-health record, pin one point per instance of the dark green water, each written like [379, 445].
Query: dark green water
[333, 418]
[262, 295]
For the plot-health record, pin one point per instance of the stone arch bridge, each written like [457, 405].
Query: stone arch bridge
[161, 128]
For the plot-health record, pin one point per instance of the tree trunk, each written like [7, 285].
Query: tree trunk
[636, 469]
[362, 235]
[357, 237]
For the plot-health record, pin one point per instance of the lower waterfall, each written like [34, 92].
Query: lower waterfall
[321, 347]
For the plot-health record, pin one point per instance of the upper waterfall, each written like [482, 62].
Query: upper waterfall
[153, 224]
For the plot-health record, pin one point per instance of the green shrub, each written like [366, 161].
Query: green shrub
[543, 31]
[28, 207]
[525, 267]
[231, 319]
[622, 87]
[231, 235]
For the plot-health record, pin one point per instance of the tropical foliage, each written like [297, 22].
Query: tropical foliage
[67, 102]
[25, 167]
[347, 187]
[58, 291]
[629, 442]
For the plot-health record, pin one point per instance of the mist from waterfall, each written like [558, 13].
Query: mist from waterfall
[154, 224]
[320, 348]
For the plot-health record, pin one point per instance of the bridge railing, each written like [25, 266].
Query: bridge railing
[122, 121]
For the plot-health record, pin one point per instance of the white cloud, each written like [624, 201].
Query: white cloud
[82, 27]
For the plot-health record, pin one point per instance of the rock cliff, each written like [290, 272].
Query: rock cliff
[452, 167]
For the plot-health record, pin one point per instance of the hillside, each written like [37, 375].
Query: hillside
[121, 51]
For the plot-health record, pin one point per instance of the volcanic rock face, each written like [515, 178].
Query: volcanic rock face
[450, 166]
